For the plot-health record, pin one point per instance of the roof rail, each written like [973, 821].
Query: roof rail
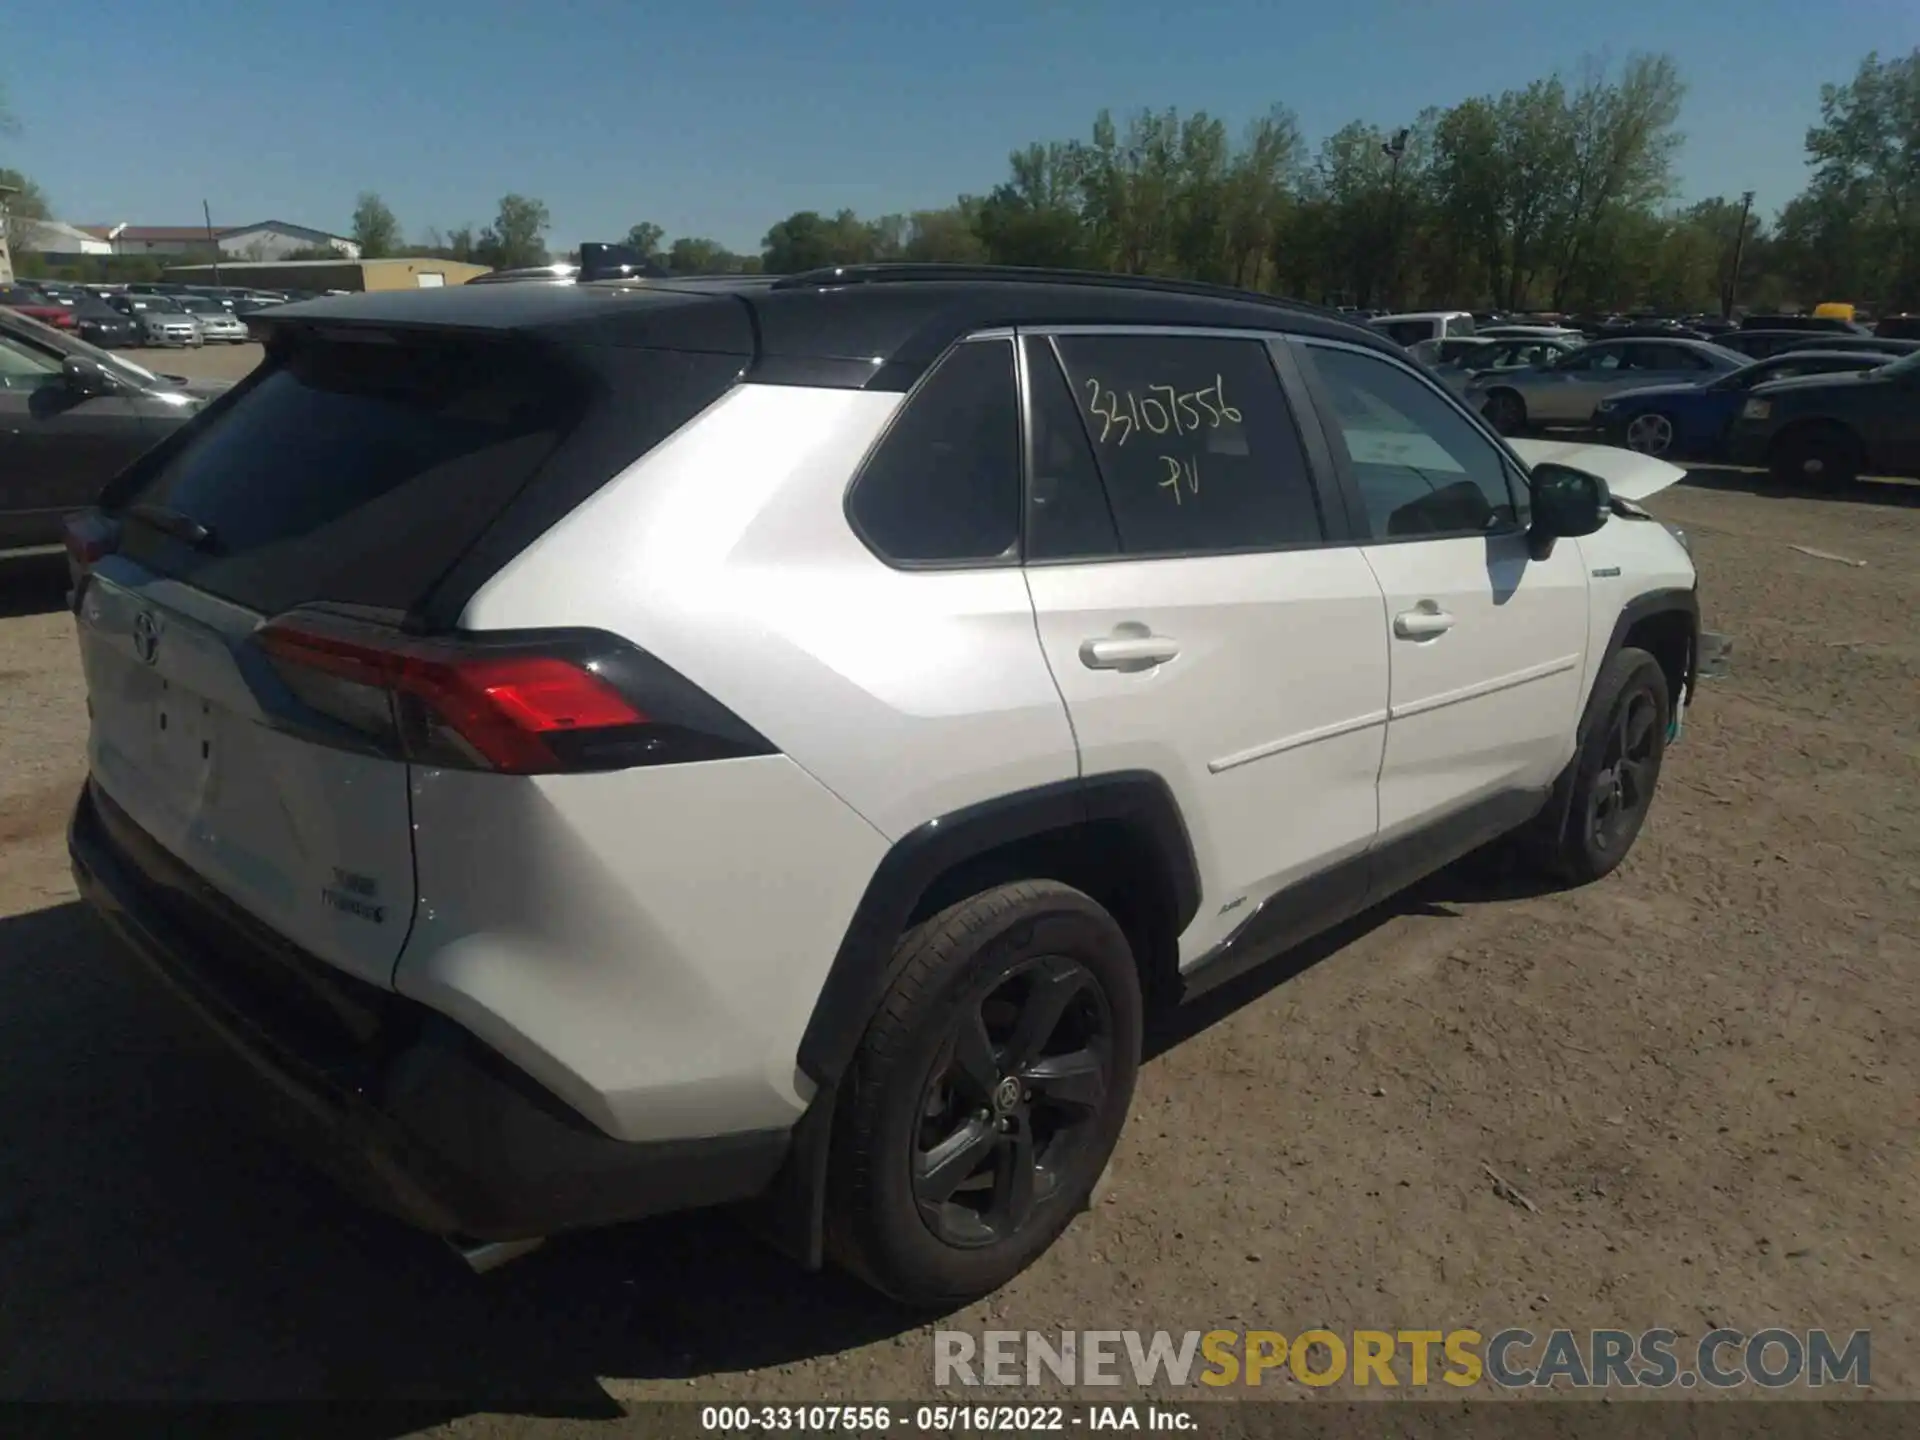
[887, 273]
[602, 261]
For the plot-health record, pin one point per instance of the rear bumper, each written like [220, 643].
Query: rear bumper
[402, 1107]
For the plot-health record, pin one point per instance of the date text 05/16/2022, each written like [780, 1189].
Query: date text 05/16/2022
[941, 1419]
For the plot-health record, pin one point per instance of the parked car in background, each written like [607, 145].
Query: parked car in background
[1451, 350]
[1566, 389]
[1831, 323]
[98, 323]
[1529, 332]
[1898, 327]
[248, 301]
[1759, 344]
[217, 323]
[1691, 419]
[33, 301]
[559, 273]
[1828, 430]
[1492, 356]
[1411, 328]
[1712, 326]
[71, 418]
[1655, 330]
[162, 320]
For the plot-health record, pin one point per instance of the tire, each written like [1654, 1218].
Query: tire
[1505, 411]
[1652, 433]
[1815, 457]
[954, 1164]
[1628, 717]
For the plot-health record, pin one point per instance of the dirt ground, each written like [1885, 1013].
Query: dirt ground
[225, 362]
[1703, 1074]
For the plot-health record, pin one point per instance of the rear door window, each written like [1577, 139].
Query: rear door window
[1067, 513]
[1195, 444]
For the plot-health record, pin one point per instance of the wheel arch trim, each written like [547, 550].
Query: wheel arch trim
[1642, 608]
[856, 978]
[1553, 816]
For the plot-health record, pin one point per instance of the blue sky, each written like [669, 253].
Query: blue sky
[718, 119]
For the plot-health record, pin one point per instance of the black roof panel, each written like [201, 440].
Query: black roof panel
[630, 315]
[874, 331]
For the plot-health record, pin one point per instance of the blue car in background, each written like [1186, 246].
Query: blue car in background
[1693, 419]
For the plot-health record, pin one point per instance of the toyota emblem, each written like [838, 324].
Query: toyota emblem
[146, 636]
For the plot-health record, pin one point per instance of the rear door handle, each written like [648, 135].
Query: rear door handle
[1423, 622]
[1127, 652]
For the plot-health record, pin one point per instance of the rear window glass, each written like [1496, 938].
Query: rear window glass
[356, 471]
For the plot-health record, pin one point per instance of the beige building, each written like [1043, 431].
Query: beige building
[405, 273]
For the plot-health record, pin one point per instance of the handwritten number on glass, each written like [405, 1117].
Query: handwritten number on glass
[1180, 472]
[1179, 413]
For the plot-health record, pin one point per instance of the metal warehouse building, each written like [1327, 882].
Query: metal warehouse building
[399, 274]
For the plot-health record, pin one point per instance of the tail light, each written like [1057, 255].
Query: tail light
[89, 537]
[524, 704]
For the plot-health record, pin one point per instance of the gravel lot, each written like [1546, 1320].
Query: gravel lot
[1702, 1073]
[226, 362]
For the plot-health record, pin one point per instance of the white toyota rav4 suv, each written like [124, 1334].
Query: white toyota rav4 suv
[609, 748]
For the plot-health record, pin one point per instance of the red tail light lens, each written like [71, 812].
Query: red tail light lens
[521, 709]
[90, 538]
[502, 709]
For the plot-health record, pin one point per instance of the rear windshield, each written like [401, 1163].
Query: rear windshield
[355, 471]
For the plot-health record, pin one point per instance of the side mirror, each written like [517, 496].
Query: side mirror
[1566, 503]
[88, 377]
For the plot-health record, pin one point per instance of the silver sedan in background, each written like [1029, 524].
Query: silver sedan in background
[1466, 359]
[216, 321]
[1566, 389]
[161, 321]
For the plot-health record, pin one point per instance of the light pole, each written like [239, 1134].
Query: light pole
[206, 212]
[6, 254]
[1393, 149]
[1739, 250]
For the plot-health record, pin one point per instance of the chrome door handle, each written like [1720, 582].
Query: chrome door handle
[1423, 622]
[1127, 652]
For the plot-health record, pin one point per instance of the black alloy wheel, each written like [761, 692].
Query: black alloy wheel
[1013, 1101]
[1621, 792]
[1505, 411]
[987, 1093]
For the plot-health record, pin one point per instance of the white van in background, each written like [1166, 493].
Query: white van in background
[1411, 329]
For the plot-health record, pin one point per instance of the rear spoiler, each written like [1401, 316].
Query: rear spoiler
[602, 261]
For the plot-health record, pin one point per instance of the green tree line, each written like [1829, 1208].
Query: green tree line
[1559, 194]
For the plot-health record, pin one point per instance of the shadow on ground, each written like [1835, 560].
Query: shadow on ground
[1898, 493]
[32, 585]
[157, 1245]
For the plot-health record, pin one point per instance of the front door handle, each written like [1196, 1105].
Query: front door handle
[1127, 652]
[1423, 622]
